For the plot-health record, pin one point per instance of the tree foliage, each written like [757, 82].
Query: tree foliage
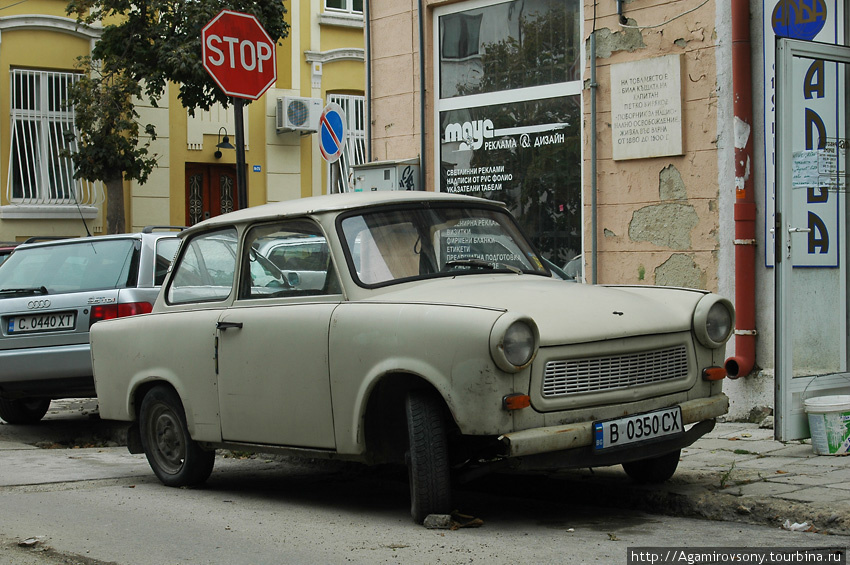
[108, 147]
[145, 45]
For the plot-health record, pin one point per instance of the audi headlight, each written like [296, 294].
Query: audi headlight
[714, 321]
[513, 342]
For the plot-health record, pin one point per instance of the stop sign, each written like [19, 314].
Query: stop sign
[239, 54]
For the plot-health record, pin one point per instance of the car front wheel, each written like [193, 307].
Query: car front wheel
[23, 411]
[428, 457]
[654, 470]
[176, 459]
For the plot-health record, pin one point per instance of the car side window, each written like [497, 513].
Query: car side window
[290, 258]
[166, 249]
[205, 269]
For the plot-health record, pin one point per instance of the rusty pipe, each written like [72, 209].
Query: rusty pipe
[742, 363]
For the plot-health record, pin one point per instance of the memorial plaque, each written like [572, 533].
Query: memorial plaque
[646, 108]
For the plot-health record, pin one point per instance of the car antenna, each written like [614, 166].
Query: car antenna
[77, 202]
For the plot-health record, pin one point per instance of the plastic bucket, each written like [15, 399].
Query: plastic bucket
[829, 424]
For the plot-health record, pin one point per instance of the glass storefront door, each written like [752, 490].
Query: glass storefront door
[810, 229]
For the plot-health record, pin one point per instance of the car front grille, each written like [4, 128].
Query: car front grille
[579, 376]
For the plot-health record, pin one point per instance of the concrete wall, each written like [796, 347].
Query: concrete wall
[395, 78]
[658, 217]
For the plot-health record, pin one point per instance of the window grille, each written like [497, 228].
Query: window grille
[38, 173]
[354, 152]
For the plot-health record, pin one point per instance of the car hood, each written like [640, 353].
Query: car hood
[565, 312]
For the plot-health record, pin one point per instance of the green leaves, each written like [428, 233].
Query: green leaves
[159, 41]
[145, 45]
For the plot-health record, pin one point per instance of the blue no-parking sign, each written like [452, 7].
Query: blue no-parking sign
[332, 132]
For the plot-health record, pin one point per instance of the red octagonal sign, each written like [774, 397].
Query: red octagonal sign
[239, 54]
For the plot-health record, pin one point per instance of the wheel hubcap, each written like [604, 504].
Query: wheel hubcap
[167, 436]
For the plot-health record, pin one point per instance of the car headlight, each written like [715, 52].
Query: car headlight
[714, 320]
[513, 342]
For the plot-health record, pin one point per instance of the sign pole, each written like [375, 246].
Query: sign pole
[241, 181]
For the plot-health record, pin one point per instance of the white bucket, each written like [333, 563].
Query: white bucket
[829, 424]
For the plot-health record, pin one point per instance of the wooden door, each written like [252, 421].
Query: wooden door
[210, 191]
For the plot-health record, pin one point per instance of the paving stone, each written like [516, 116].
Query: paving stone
[761, 489]
[770, 464]
[809, 494]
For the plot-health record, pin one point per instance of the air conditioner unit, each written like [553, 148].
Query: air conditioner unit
[298, 114]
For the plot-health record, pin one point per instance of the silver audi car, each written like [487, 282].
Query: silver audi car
[50, 295]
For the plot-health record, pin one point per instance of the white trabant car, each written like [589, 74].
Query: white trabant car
[435, 337]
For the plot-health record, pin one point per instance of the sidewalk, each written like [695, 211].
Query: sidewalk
[738, 472]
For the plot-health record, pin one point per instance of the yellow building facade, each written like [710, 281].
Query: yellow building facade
[321, 61]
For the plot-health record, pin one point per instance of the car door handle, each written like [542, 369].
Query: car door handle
[225, 325]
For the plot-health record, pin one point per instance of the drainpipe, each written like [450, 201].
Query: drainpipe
[745, 207]
[367, 39]
[422, 98]
[594, 252]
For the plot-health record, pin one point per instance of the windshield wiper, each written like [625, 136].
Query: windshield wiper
[24, 291]
[481, 264]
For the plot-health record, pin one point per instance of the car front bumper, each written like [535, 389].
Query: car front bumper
[580, 434]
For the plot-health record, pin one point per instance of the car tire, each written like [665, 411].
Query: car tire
[24, 410]
[176, 459]
[654, 470]
[428, 456]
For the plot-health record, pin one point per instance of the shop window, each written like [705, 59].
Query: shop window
[509, 113]
[509, 45]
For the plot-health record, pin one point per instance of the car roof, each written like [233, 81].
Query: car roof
[332, 202]
[77, 240]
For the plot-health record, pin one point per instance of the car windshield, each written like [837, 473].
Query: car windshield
[70, 267]
[402, 244]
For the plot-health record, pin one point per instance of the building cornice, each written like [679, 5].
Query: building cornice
[49, 23]
[342, 19]
[333, 55]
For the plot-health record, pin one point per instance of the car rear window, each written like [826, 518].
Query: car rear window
[70, 267]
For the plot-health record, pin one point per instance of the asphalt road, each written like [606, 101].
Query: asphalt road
[77, 500]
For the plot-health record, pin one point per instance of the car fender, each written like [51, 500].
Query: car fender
[445, 345]
[177, 349]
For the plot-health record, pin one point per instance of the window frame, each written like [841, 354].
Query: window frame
[332, 287]
[349, 8]
[39, 119]
[185, 248]
[499, 99]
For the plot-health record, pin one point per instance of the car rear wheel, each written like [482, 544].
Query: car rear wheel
[654, 470]
[428, 457]
[24, 410]
[176, 459]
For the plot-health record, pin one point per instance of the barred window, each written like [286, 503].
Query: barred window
[354, 152]
[38, 173]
